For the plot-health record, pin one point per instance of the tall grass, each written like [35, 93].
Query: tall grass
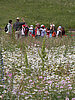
[45, 80]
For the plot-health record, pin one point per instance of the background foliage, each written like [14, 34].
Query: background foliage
[60, 12]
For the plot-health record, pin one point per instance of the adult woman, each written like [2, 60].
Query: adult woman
[9, 26]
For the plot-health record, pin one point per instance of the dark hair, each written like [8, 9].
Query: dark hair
[17, 20]
[10, 21]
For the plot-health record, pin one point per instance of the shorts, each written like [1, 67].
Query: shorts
[17, 34]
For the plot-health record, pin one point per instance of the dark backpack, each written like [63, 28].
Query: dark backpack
[6, 28]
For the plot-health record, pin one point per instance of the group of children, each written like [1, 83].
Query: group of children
[22, 29]
[41, 30]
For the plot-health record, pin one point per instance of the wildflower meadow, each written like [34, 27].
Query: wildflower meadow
[37, 69]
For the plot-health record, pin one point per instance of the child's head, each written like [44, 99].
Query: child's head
[42, 26]
[31, 27]
[52, 26]
[59, 28]
[23, 25]
[38, 25]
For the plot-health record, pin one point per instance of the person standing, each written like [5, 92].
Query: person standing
[9, 27]
[37, 30]
[17, 27]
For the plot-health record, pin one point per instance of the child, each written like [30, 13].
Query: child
[59, 32]
[31, 31]
[63, 31]
[42, 30]
[52, 31]
[23, 30]
[48, 31]
[52, 28]
[37, 29]
[26, 30]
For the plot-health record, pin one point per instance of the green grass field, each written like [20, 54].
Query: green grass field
[59, 12]
[37, 68]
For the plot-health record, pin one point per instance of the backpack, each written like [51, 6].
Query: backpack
[54, 34]
[6, 28]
